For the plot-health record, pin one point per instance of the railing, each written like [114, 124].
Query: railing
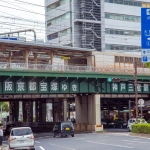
[65, 68]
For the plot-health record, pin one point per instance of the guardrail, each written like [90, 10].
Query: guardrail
[65, 68]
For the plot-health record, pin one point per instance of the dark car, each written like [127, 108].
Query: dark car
[119, 123]
[63, 129]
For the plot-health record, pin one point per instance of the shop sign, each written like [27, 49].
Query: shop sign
[64, 87]
[139, 87]
[145, 88]
[8, 87]
[130, 88]
[114, 87]
[43, 87]
[74, 87]
[54, 87]
[32, 87]
[122, 87]
[20, 87]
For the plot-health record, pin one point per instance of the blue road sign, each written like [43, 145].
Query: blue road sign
[145, 59]
[145, 52]
[145, 28]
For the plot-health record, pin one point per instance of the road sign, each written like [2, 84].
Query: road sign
[141, 101]
[140, 105]
[145, 28]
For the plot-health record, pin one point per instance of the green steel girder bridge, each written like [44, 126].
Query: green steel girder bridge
[60, 79]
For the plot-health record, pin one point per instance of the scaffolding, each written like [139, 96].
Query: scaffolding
[90, 30]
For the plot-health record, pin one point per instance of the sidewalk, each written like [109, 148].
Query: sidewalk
[140, 135]
[4, 147]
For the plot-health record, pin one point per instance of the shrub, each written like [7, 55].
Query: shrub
[141, 128]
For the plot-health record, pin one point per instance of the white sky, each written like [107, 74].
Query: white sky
[35, 21]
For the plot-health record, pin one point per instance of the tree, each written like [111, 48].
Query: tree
[147, 64]
[5, 106]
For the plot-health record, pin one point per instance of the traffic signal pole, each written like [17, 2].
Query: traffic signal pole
[135, 85]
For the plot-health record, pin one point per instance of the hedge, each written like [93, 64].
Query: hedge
[141, 128]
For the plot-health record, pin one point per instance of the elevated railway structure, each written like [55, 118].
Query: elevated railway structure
[40, 91]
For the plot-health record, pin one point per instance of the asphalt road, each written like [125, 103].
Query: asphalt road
[92, 141]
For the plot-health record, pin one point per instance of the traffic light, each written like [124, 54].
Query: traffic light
[115, 79]
[109, 79]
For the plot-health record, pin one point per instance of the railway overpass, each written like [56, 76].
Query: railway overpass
[34, 80]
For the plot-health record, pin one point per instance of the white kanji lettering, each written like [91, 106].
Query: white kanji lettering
[43, 86]
[8, 86]
[21, 86]
[114, 87]
[123, 86]
[146, 87]
[74, 87]
[139, 87]
[32, 86]
[54, 86]
[64, 87]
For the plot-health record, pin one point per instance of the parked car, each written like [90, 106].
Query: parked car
[21, 138]
[63, 129]
[133, 121]
[118, 123]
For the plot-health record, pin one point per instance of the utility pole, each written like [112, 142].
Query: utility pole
[135, 85]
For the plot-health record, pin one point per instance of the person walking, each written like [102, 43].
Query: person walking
[1, 135]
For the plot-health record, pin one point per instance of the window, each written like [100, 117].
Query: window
[59, 19]
[120, 47]
[123, 17]
[52, 36]
[122, 32]
[21, 132]
[126, 2]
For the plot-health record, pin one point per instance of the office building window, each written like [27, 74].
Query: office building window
[121, 47]
[125, 2]
[122, 32]
[59, 19]
[52, 36]
[57, 4]
[123, 17]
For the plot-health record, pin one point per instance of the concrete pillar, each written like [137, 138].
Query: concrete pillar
[27, 111]
[9, 59]
[65, 109]
[26, 57]
[78, 109]
[51, 58]
[43, 111]
[35, 58]
[16, 111]
[11, 111]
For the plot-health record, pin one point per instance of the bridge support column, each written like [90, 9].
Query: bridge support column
[88, 114]
[65, 109]
[26, 58]
[14, 111]
[27, 111]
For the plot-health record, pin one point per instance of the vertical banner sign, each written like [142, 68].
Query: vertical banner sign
[145, 34]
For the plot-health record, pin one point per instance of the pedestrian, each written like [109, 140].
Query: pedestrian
[1, 134]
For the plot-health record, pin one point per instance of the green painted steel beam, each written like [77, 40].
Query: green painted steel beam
[27, 73]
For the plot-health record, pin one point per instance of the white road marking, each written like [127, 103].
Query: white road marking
[63, 146]
[109, 144]
[37, 142]
[41, 148]
[135, 141]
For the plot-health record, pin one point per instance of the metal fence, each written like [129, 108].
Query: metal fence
[65, 68]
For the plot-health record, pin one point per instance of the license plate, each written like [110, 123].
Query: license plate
[21, 141]
[67, 128]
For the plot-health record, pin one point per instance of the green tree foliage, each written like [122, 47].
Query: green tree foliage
[147, 64]
[5, 106]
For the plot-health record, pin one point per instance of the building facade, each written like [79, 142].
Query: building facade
[95, 24]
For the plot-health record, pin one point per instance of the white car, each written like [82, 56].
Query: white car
[133, 121]
[21, 138]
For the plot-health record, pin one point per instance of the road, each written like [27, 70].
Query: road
[93, 141]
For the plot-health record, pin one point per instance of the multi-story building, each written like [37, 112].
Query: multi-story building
[99, 24]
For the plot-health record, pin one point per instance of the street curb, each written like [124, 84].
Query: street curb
[140, 135]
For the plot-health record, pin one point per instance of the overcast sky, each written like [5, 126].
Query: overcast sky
[15, 15]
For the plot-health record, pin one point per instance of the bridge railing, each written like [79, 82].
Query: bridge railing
[65, 68]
